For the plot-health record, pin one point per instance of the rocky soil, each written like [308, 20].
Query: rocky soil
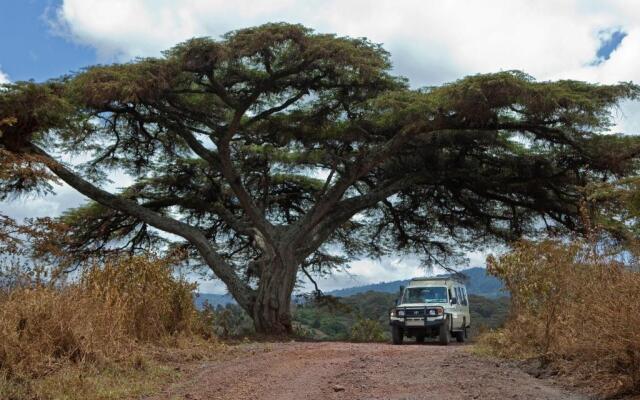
[348, 371]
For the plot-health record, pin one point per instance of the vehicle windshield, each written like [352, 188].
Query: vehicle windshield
[434, 294]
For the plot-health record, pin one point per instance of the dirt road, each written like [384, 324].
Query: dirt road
[346, 371]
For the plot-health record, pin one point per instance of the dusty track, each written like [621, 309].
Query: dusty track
[283, 371]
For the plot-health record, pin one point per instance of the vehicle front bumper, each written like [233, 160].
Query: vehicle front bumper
[417, 322]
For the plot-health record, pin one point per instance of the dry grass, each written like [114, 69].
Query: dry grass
[101, 336]
[85, 381]
[577, 313]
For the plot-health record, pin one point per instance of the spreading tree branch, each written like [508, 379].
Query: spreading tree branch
[214, 260]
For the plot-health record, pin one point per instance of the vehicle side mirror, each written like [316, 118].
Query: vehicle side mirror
[454, 300]
[397, 300]
[401, 289]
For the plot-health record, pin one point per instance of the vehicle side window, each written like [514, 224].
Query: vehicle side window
[464, 292]
[460, 295]
[458, 298]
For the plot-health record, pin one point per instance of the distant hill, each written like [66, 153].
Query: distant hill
[213, 299]
[478, 283]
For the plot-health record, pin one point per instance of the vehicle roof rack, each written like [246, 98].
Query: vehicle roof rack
[439, 278]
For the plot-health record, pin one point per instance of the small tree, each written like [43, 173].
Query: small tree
[277, 151]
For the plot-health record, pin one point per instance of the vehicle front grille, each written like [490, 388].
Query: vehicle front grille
[410, 313]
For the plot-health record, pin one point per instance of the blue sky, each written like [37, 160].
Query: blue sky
[609, 43]
[30, 48]
[431, 42]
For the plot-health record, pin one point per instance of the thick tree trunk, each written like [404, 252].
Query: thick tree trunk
[272, 306]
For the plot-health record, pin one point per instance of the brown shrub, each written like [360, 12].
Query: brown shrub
[577, 312]
[150, 301]
[104, 316]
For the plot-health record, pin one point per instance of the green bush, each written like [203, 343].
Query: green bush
[366, 330]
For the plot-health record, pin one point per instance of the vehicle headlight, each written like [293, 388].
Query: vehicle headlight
[435, 311]
[400, 313]
[393, 313]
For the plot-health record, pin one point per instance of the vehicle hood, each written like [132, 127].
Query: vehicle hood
[419, 305]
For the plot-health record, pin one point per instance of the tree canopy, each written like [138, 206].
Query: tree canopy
[278, 151]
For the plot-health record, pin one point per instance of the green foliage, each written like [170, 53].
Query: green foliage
[151, 107]
[325, 324]
[27, 112]
[612, 209]
[277, 145]
[336, 320]
[488, 313]
[368, 314]
[228, 321]
[366, 330]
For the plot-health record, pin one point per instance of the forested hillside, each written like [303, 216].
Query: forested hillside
[334, 318]
[477, 282]
[335, 321]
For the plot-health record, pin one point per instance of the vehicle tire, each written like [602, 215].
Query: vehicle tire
[460, 336]
[445, 334]
[396, 334]
[420, 338]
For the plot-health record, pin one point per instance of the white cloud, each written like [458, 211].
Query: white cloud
[3, 77]
[51, 205]
[367, 271]
[62, 198]
[385, 269]
[431, 41]
[124, 29]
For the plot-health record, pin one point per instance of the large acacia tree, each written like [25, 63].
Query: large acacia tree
[277, 151]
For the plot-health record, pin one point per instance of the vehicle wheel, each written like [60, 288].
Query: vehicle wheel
[420, 338]
[460, 336]
[445, 334]
[396, 334]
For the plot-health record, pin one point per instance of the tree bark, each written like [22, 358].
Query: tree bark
[271, 309]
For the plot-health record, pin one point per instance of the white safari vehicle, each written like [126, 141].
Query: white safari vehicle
[431, 307]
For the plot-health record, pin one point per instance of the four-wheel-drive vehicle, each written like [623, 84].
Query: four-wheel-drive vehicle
[431, 307]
